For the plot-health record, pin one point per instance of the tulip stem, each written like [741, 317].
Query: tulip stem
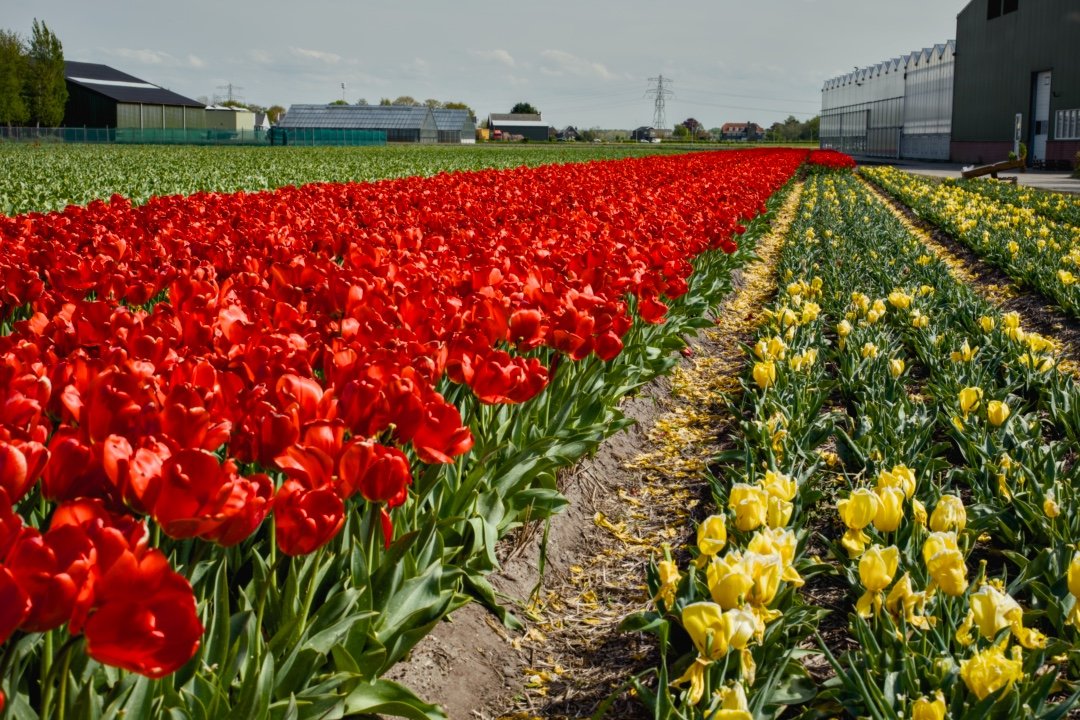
[50, 679]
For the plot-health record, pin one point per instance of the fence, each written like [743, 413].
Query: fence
[203, 136]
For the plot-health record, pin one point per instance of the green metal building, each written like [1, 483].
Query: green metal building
[102, 97]
[1017, 78]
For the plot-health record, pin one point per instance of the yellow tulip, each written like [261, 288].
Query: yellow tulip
[695, 675]
[899, 299]
[705, 624]
[896, 367]
[843, 329]
[904, 601]
[857, 511]
[918, 511]
[964, 354]
[729, 580]
[949, 514]
[877, 566]
[891, 512]
[989, 671]
[1074, 589]
[919, 321]
[712, 535]
[901, 476]
[767, 571]
[751, 505]
[997, 412]
[764, 374]
[992, 610]
[810, 313]
[733, 705]
[779, 485]
[782, 542]
[669, 581]
[938, 541]
[926, 709]
[986, 323]
[948, 572]
[779, 512]
[1050, 506]
[869, 350]
[1066, 277]
[969, 399]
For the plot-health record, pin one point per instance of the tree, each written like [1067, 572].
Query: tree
[524, 108]
[13, 108]
[46, 89]
[362, 101]
[339, 101]
[405, 100]
[274, 112]
[386, 101]
[433, 103]
[680, 131]
[459, 106]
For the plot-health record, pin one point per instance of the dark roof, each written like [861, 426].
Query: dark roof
[358, 117]
[120, 86]
[447, 119]
[512, 118]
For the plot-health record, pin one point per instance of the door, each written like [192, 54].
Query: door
[1041, 117]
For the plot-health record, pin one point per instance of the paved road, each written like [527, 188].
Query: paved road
[1053, 180]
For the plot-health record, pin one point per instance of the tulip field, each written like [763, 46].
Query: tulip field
[255, 445]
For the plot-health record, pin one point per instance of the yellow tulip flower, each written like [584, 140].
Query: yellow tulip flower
[990, 671]
[857, 511]
[899, 299]
[1074, 589]
[1066, 277]
[778, 541]
[810, 312]
[901, 476]
[891, 511]
[986, 323]
[1050, 506]
[969, 399]
[751, 505]
[997, 412]
[779, 485]
[869, 350]
[965, 354]
[779, 512]
[877, 566]
[904, 601]
[945, 563]
[704, 623]
[949, 514]
[728, 579]
[669, 581]
[712, 535]
[764, 374]
[733, 705]
[896, 367]
[926, 709]
[919, 321]
[918, 511]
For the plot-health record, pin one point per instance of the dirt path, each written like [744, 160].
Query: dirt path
[640, 491]
[1035, 311]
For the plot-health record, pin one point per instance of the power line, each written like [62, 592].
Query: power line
[659, 94]
[231, 89]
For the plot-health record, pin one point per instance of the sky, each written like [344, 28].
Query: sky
[585, 63]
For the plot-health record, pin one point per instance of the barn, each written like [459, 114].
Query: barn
[1017, 78]
[102, 97]
[529, 127]
[397, 123]
[455, 126]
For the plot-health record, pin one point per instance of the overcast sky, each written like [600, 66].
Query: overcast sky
[581, 62]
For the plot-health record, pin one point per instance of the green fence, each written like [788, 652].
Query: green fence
[203, 136]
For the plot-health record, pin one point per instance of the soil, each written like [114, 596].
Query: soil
[642, 490]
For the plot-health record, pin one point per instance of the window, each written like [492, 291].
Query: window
[997, 8]
[1067, 124]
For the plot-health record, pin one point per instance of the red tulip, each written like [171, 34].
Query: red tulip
[379, 473]
[306, 519]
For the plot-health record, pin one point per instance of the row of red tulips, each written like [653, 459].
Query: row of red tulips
[201, 363]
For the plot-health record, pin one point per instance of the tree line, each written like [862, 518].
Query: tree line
[32, 86]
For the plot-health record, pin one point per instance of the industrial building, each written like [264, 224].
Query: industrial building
[397, 123]
[102, 97]
[510, 125]
[455, 126]
[227, 119]
[899, 108]
[1017, 60]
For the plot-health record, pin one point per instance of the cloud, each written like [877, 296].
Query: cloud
[144, 56]
[417, 67]
[260, 56]
[500, 56]
[195, 61]
[566, 64]
[325, 57]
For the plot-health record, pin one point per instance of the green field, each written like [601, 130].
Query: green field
[50, 177]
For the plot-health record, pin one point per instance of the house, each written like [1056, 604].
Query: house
[568, 134]
[644, 134]
[527, 126]
[746, 132]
